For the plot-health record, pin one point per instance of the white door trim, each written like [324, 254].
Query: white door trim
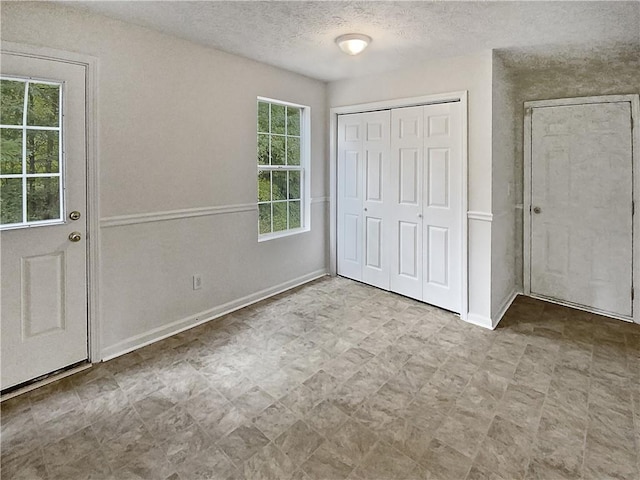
[90, 64]
[333, 169]
[634, 99]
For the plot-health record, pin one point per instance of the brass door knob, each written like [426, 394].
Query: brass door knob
[537, 209]
[75, 236]
[75, 215]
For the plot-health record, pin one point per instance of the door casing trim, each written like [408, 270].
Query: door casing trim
[460, 96]
[634, 100]
[90, 65]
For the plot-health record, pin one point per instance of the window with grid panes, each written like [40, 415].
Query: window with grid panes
[30, 152]
[281, 167]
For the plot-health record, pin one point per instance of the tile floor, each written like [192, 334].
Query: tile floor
[338, 380]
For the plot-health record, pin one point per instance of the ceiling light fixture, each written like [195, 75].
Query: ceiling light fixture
[353, 43]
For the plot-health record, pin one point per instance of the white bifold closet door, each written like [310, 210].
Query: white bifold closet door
[400, 201]
[363, 177]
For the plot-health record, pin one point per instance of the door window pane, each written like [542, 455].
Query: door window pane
[43, 151]
[11, 102]
[43, 198]
[10, 200]
[43, 105]
[30, 152]
[10, 150]
[279, 188]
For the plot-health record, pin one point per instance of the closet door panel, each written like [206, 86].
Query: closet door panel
[376, 144]
[442, 205]
[350, 196]
[405, 206]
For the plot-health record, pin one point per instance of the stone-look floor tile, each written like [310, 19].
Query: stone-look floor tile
[29, 466]
[498, 366]
[106, 405]
[353, 440]
[151, 464]
[463, 430]
[602, 461]
[71, 448]
[324, 464]
[406, 437]
[274, 420]
[522, 405]
[89, 467]
[53, 400]
[484, 392]
[186, 444]
[326, 418]
[168, 424]
[242, 443]
[386, 463]
[126, 447]
[269, 463]
[301, 400]
[506, 449]
[442, 461]
[253, 402]
[154, 404]
[278, 385]
[479, 473]
[206, 465]
[298, 442]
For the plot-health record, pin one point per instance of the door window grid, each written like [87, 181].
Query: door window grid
[280, 167]
[31, 165]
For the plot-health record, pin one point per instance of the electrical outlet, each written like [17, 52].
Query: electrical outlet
[197, 282]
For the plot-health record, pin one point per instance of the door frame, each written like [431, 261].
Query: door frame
[634, 99]
[461, 97]
[90, 65]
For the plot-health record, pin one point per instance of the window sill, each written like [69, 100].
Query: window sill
[285, 233]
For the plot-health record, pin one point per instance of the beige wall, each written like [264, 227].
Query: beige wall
[474, 74]
[176, 128]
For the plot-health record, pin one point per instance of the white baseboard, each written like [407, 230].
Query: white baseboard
[160, 333]
[505, 306]
[479, 320]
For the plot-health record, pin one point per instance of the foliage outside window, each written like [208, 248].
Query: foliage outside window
[281, 167]
[30, 152]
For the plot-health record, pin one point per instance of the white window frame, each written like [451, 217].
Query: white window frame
[24, 175]
[304, 169]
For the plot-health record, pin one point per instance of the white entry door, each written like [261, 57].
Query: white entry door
[363, 165]
[581, 205]
[42, 239]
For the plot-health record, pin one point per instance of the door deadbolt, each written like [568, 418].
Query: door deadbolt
[537, 210]
[75, 236]
[75, 215]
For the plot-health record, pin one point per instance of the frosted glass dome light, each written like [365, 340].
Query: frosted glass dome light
[353, 43]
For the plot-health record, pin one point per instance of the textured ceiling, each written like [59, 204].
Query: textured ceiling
[299, 36]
